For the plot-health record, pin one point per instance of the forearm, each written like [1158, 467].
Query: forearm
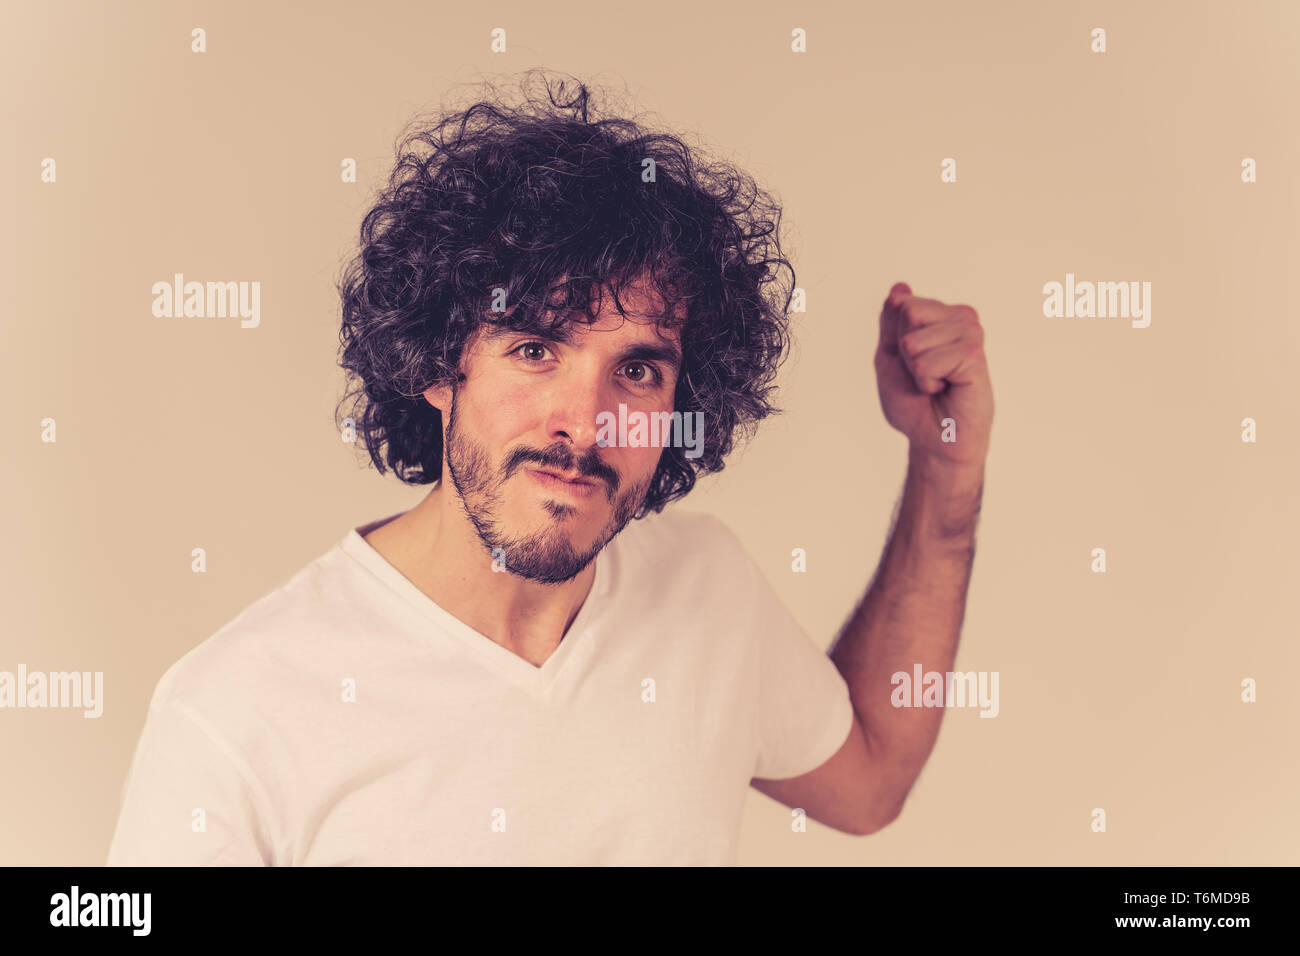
[911, 614]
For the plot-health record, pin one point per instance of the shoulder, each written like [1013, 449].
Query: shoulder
[678, 526]
[260, 642]
[689, 540]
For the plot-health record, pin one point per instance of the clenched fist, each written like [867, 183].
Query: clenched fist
[933, 378]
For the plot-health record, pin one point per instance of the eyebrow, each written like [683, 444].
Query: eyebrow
[649, 352]
[637, 352]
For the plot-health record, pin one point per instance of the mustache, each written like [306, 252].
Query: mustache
[561, 458]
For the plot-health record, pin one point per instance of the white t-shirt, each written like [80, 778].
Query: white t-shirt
[681, 678]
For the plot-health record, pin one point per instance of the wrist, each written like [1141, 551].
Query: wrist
[944, 474]
[948, 495]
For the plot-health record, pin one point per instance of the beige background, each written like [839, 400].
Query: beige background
[1118, 691]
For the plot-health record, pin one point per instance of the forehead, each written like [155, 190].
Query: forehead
[630, 338]
[642, 321]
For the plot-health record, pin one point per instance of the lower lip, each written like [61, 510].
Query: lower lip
[574, 488]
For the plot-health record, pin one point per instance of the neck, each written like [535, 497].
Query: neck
[436, 547]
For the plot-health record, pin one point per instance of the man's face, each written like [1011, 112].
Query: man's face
[529, 405]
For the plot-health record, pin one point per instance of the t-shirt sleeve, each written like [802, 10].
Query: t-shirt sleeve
[189, 798]
[804, 711]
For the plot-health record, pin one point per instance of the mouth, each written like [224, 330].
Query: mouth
[573, 484]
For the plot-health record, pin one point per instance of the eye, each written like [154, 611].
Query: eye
[526, 350]
[643, 369]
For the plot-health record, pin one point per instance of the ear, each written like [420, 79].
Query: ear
[439, 396]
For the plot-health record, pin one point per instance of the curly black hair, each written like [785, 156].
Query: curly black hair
[548, 202]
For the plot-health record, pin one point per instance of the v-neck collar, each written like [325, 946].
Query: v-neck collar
[537, 680]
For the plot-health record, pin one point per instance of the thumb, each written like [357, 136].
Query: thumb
[889, 319]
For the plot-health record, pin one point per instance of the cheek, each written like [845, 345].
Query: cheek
[504, 409]
[636, 464]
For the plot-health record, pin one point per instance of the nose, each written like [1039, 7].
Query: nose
[573, 418]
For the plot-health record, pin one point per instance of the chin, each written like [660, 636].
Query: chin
[550, 517]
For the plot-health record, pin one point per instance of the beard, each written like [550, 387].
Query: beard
[546, 556]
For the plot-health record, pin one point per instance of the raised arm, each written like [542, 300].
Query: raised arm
[934, 387]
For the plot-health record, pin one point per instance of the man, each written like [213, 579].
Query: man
[537, 664]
